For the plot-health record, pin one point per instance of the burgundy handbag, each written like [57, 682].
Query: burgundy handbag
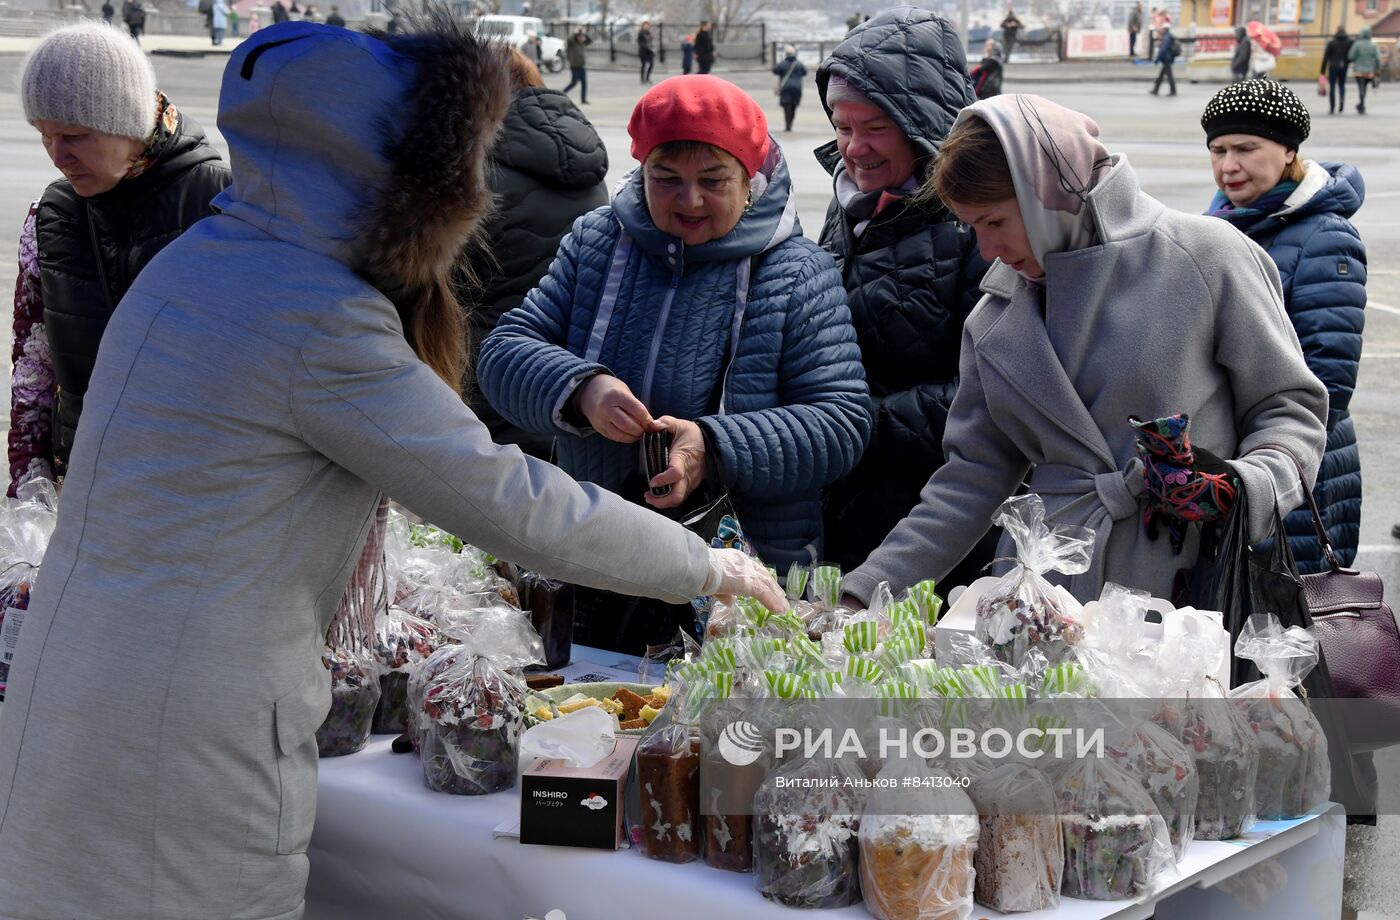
[1359, 638]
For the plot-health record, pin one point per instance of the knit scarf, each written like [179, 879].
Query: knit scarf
[1246, 216]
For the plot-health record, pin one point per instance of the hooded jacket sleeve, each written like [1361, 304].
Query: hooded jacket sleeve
[822, 424]
[956, 507]
[362, 398]
[526, 373]
[1280, 405]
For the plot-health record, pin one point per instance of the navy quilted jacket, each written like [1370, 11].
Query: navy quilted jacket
[796, 408]
[912, 275]
[1322, 263]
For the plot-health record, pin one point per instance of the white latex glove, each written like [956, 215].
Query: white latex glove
[734, 572]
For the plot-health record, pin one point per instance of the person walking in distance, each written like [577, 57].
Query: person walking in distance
[218, 22]
[645, 54]
[1365, 59]
[1010, 28]
[108, 11]
[1134, 27]
[790, 73]
[335, 19]
[687, 54]
[134, 15]
[578, 63]
[1334, 68]
[1167, 51]
[279, 12]
[704, 47]
[1239, 64]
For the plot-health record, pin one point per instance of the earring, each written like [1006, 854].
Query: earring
[748, 203]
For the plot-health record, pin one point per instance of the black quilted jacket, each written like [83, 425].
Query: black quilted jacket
[547, 169]
[911, 277]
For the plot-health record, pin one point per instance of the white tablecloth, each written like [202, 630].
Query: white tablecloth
[386, 846]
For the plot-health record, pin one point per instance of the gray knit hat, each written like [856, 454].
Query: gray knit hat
[94, 75]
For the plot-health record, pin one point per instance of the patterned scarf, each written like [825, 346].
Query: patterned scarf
[1245, 217]
[167, 127]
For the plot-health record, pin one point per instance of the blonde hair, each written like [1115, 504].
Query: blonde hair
[523, 71]
[1294, 172]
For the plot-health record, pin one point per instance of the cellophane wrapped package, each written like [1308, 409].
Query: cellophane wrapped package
[1215, 733]
[355, 691]
[1295, 775]
[1116, 844]
[401, 641]
[918, 866]
[468, 700]
[551, 607]
[1024, 610]
[806, 845]
[26, 524]
[668, 778]
[1020, 852]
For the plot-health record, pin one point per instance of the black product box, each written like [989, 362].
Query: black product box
[568, 806]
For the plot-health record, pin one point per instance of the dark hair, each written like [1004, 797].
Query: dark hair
[971, 167]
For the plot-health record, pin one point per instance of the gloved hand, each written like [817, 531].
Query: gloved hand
[1184, 483]
[734, 572]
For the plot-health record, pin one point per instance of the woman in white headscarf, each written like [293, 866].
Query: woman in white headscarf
[1103, 304]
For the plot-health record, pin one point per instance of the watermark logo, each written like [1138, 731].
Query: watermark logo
[741, 743]
[594, 802]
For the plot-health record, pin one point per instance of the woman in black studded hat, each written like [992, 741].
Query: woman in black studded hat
[1299, 211]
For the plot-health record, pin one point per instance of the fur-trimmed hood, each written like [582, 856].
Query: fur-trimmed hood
[369, 149]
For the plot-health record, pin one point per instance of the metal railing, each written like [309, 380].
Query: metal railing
[746, 44]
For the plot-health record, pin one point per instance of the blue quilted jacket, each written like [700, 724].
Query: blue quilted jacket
[796, 411]
[1322, 263]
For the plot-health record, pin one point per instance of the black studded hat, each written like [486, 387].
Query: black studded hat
[1263, 108]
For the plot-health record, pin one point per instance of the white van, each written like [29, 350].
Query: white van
[516, 30]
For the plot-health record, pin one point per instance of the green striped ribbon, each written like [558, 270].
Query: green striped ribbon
[797, 581]
[826, 583]
[895, 696]
[899, 650]
[1066, 678]
[911, 632]
[957, 712]
[929, 603]
[983, 677]
[802, 648]
[723, 684]
[860, 636]
[920, 672]
[1009, 704]
[865, 669]
[949, 682]
[827, 678]
[904, 611]
[785, 685]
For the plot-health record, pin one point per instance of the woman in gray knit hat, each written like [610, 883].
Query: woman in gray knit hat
[136, 174]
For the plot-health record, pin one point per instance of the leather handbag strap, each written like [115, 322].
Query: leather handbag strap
[1318, 526]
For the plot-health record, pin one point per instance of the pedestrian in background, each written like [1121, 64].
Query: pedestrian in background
[910, 269]
[1134, 27]
[1244, 49]
[134, 15]
[790, 73]
[218, 21]
[232, 20]
[704, 47]
[335, 19]
[1261, 60]
[137, 173]
[1010, 28]
[1300, 212]
[1102, 303]
[687, 54]
[645, 54]
[108, 11]
[1365, 60]
[1334, 67]
[547, 169]
[1167, 52]
[576, 53]
[692, 304]
[290, 359]
[987, 75]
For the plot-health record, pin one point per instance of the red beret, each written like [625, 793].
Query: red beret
[700, 107]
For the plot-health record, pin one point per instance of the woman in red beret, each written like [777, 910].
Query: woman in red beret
[692, 304]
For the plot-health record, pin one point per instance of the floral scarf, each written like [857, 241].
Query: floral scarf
[167, 127]
[1266, 205]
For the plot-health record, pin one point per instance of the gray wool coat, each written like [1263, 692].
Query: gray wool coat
[1169, 312]
[252, 396]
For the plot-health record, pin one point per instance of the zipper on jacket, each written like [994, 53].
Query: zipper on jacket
[656, 340]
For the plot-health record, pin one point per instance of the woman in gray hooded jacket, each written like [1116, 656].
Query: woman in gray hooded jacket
[273, 370]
